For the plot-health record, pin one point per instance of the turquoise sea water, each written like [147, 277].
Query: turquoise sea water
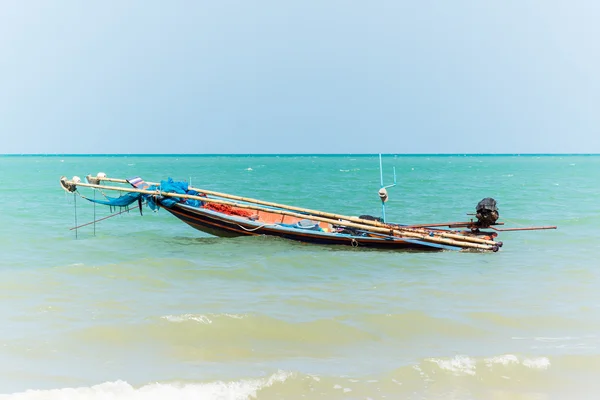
[145, 307]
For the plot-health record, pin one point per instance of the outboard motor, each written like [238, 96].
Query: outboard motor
[487, 212]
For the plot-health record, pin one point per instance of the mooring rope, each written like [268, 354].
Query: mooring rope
[513, 222]
[103, 218]
[255, 229]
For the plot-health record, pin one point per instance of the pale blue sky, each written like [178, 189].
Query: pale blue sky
[311, 76]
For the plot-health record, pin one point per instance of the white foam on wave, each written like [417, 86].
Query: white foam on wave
[463, 365]
[554, 339]
[235, 316]
[458, 365]
[505, 359]
[562, 342]
[203, 319]
[537, 363]
[121, 390]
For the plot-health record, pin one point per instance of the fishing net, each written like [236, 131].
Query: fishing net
[229, 210]
[153, 201]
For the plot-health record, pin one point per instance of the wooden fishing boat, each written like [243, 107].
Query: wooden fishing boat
[227, 215]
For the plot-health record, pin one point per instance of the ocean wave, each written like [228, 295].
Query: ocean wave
[203, 319]
[504, 376]
[120, 390]
[464, 365]
[228, 336]
[529, 322]
[416, 324]
[198, 328]
[585, 342]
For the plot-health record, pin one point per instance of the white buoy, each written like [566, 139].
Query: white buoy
[383, 195]
[101, 175]
[76, 179]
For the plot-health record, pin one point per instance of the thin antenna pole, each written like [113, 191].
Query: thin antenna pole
[382, 191]
[380, 170]
[381, 180]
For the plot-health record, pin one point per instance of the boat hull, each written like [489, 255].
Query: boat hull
[223, 225]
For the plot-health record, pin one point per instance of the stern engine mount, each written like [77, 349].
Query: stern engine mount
[487, 212]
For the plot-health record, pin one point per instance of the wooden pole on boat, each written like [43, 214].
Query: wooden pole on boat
[432, 237]
[328, 215]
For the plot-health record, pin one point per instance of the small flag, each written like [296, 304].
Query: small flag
[137, 182]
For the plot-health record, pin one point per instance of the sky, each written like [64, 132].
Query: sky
[309, 76]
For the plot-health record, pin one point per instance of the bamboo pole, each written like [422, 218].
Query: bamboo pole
[424, 237]
[448, 224]
[332, 215]
[449, 235]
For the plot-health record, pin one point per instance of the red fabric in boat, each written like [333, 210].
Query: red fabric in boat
[227, 209]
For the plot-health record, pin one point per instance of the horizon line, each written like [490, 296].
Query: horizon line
[281, 154]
